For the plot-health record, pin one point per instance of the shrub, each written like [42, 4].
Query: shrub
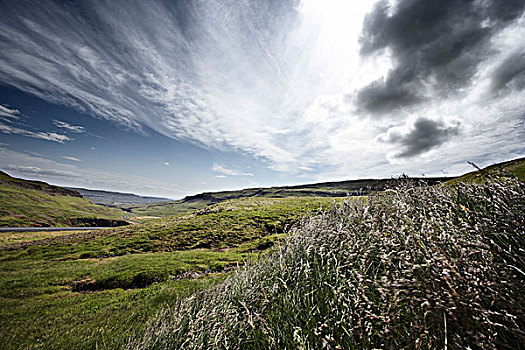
[414, 267]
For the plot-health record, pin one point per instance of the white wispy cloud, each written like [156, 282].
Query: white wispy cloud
[218, 168]
[311, 88]
[37, 171]
[9, 112]
[73, 128]
[166, 163]
[49, 136]
[74, 159]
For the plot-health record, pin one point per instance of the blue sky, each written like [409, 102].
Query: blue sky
[171, 98]
[96, 153]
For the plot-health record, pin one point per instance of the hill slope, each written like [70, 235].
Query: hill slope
[36, 203]
[515, 167]
[326, 189]
[362, 187]
[84, 289]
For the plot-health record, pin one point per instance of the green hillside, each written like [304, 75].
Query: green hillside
[220, 226]
[515, 167]
[35, 203]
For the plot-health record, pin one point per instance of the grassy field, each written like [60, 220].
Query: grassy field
[32, 203]
[163, 208]
[372, 272]
[18, 237]
[85, 303]
[85, 290]
[204, 200]
[411, 268]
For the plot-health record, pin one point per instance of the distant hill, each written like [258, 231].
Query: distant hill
[115, 198]
[158, 206]
[363, 187]
[36, 203]
[324, 189]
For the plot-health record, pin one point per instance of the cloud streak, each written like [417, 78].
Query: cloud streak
[9, 112]
[218, 168]
[74, 159]
[77, 129]
[49, 136]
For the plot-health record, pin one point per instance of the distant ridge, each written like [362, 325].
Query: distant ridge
[364, 187]
[514, 167]
[115, 198]
[360, 187]
[324, 189]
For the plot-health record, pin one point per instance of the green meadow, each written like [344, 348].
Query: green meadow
[83, 290]
[409, 267]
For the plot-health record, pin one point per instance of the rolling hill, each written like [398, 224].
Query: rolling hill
[515, 167]
[361, 187]
[36, 203]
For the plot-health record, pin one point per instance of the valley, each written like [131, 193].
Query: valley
[102, 288]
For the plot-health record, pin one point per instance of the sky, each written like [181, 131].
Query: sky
[171, 98]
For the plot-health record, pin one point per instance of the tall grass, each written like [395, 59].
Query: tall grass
[413, 267]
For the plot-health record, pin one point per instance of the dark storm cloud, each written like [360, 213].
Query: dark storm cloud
[436, 44]
[384, 95]
[424, 135]
[510, 74]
